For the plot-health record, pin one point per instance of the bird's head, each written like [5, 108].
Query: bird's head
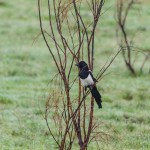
[82, 65]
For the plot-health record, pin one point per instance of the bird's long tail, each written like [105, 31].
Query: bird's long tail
[95, 93]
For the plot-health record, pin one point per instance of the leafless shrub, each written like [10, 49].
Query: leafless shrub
[123, 9]
[73, 39]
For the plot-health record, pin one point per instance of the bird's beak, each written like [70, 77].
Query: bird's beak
[77, 65]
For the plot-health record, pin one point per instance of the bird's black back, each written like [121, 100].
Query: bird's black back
[83, 74]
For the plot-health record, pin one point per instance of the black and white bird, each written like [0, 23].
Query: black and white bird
[88, 81]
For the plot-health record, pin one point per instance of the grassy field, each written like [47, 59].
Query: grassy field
[26, 68]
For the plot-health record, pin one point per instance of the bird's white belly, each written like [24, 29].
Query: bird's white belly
[87, 81]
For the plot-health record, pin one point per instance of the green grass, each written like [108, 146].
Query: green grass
[26, 68]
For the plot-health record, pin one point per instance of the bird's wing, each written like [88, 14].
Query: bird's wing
[83, 74]
[92, 76]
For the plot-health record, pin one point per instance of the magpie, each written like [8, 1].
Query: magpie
[88, 81]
